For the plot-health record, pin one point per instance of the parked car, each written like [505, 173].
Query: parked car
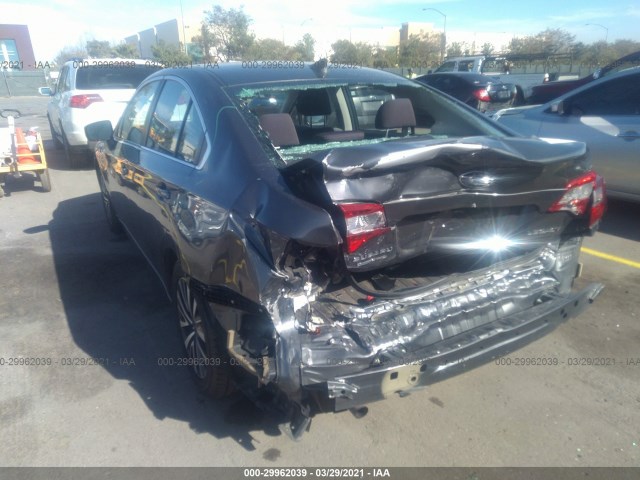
[605, 114]
[492, 66]
[322, 265]
[473, 64]
[89, 90]
[548, 91]
[484, 93]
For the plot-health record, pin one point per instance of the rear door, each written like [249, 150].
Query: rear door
[169, 162]
[607, 118]
[61, 94]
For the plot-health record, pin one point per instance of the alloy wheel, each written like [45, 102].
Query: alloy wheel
[192, 326]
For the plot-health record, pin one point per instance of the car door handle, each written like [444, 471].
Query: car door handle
[163, 192]
[630, 135]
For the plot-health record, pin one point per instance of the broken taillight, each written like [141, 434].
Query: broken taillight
[588, 189]
[364, 222]
[83, 101]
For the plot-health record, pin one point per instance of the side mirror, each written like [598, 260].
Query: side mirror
[45, 91]
[99, 131]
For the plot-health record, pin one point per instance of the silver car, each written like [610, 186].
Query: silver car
[605, 115]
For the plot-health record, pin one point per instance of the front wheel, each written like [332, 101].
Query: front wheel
[56, 141]
[518, 100]
[109, 212]
[202, 337]
[75, 159]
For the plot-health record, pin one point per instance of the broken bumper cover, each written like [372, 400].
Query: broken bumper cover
[459, 353]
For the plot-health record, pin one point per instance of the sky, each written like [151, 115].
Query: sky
[54, 24]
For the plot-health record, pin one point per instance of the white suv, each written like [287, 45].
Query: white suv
[87, 91]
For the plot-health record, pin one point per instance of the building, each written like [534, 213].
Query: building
[170, 32]
[15, 47]
[415, 28]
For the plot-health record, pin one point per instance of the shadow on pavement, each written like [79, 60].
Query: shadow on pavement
[116, 309]
[57, 160]
[621, 220]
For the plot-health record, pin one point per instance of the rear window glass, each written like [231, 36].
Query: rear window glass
[106, 78]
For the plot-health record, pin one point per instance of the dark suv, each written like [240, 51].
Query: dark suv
[320, 260]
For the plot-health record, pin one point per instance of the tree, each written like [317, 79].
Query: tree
[454, 50]
[385, 57]
[126, 50]
[625, 46]
[551, 41]
[304, 49]
[204, 41]
[556, 40]
[169, 54]
[420, 51]
[229, 30]
[70, 52]
[268, 49]
[349, 53]
[99, 49]
[487, 49]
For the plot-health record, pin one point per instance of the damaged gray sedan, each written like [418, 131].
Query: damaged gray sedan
[332, 236]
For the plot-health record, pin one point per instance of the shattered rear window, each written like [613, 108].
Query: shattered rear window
[312, 117]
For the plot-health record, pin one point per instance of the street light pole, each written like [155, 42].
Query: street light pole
[443, 43]
[184, 36]
[606, 30]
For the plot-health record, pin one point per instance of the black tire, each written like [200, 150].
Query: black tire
[74, 159]
[203, 338]
[56, 141]
[45, 180]
[519, 98]
[109, 212]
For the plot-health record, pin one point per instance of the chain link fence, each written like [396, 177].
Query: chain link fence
[22, 83]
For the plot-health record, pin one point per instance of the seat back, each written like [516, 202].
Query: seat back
[312, 103]
[280, 128]
[395, 114]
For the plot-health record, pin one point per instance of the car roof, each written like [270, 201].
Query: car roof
[608, 78]
[470, 78]
[631, 57]
[245, 73]
[464, 57]
[99, 61]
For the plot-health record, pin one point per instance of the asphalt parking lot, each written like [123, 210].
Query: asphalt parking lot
[71, 293]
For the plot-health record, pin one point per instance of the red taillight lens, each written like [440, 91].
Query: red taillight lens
[364, 221]
[599, 201]
[482, 94]
[83, 101]
[580, 192]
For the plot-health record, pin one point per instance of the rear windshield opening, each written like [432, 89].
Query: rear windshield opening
[304, 118]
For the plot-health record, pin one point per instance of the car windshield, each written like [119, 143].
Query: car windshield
[106, 78]
[332, 115]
